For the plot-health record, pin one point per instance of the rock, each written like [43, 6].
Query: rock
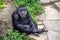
[53, 35]
[51, 13]
[57, 4]
[5, 18]
[7, 12]
[3, 29]
[42, 36]
[41, 17]
[54, 0]
[48, 1]
[45, 1]
[52, 21]
[7, 1]
[52, 25]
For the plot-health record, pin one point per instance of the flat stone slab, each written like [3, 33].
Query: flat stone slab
[41, 17]
[42, 36]
[51, 13]
[53, 35]
[45, 1]
[57, 4]
[54, 0]
[52, 25]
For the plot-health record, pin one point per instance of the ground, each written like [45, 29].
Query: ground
[51, 20]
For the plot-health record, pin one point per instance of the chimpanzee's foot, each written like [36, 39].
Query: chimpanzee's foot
[41, 30]
[36, 34]
[44, 30]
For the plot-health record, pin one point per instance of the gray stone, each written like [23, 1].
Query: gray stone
[41, 17]
[54, 0]
[45, 1]
[7, 13]
[57, 4]
[52, 25]
[7, 1]
[53, 35]
[43, 36]
[51, 13]
[5, 18]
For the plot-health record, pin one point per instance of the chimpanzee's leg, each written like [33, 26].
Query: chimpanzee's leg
[37, 30]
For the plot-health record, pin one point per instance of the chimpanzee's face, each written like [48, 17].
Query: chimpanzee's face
[22, 12]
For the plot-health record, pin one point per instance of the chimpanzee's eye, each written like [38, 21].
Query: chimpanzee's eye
[24, 10]
[20, 10]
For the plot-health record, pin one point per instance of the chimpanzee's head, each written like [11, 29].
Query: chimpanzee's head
[22, 11]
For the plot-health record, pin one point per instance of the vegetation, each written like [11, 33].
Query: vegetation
[16, 36]
[34, 7]
[2, 4]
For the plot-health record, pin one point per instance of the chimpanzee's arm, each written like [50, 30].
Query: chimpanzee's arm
[32, 23]
[15, 18]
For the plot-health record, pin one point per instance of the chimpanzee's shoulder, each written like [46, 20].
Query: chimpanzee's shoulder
[15, 14]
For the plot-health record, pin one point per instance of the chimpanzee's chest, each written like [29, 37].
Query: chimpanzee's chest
[24, 21]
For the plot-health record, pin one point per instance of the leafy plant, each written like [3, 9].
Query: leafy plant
[34, 7]
[16, 36]
[2, 4]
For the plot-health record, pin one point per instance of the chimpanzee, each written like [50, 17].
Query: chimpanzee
[22, 21]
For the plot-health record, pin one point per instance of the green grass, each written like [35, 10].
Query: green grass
[16, 36]
[2, 4]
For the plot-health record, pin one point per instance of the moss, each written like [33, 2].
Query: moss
[2, 4]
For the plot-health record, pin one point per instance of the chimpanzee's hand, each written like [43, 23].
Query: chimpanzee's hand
[27, 26]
